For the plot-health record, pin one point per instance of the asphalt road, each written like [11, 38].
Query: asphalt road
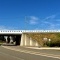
[6, 54]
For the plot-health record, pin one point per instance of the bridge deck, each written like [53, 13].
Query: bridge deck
[27, 31]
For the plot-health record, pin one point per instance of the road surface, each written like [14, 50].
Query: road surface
[6, 54]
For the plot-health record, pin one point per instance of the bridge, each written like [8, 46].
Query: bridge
[20, 37]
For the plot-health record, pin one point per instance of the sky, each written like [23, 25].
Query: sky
[29, 14]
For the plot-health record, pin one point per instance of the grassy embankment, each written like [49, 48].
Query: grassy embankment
[39, 37]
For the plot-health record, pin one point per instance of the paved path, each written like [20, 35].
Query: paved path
[21, 53]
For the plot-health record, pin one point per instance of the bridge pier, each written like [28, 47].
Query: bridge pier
[22, 40]
[11, 39]
[6, 38]
[27, 40]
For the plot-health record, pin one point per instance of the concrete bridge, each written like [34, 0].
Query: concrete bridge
[20, 37]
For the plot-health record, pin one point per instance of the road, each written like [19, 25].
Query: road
[6, 54]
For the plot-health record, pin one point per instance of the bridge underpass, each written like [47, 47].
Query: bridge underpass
[14, 39]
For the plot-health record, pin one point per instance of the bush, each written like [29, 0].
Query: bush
[53, 44]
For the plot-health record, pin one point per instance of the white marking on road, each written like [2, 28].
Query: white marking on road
[35, 53]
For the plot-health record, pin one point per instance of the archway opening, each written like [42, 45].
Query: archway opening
[10, 39]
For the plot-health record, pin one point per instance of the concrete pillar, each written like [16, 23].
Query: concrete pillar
[22, 40]
[33, 42]
[11, 39]
[37, 43]
[6, 38]
[27, 40]
[30, 41]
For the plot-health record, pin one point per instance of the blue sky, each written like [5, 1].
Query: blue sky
[30, 14]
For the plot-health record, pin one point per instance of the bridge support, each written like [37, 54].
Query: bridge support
[11, 39]
[6, 37]
[28, 41]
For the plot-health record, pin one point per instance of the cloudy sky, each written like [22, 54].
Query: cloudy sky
[30, 14]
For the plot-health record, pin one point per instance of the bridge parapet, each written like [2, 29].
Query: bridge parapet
[40, 31]
[10, 32]
[27, 31]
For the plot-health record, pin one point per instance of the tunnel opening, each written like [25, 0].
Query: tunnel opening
[10, 39]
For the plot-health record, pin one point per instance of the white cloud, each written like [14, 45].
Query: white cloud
[50, 22]
[32, 20]
[50, 17]
[54, 26]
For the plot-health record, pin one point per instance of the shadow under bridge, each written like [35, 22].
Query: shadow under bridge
[10, 39]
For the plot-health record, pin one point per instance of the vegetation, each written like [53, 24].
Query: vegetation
[52, 39]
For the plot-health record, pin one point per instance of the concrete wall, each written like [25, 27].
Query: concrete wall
[27, 41]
